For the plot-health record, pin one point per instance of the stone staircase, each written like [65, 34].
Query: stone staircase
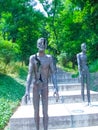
[68, 113]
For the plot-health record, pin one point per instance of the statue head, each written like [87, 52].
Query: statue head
[41, 44]
[83, 47]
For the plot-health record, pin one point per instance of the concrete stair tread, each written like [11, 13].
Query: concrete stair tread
[69, 97]
[56, 110]
[65, 87]
[80, 128]
[67, 84]
[26, 110]
[60, 116]
[70, 83]
[76, 92]
[69, 93]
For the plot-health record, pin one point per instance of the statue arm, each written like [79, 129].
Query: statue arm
[53, 74]
[29, 76]
[54, 81]
[79, 64]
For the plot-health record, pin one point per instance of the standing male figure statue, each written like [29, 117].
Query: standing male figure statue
[40, 67]
[84, 72]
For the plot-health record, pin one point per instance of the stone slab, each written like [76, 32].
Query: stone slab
[80, 128]
[67, 86]
[69, 97]
[61, 116]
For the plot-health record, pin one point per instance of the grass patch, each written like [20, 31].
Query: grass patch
[11, 92]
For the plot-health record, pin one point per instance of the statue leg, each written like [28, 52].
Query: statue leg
[44, 94]
[82, 87]
[36, 100]
[88, 87]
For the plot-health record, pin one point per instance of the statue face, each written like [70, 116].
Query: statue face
[83, 47]
[41, 44]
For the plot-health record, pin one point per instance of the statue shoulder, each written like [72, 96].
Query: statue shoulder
[32, 58]
[48, 56]
[78, 55]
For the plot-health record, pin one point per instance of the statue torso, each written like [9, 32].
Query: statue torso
[83, 62]
[42, 69]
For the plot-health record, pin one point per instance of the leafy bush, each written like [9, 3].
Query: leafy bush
[94, 66]
[8, 50]
[63, 59]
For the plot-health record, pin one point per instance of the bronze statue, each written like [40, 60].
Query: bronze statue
[41, 66]
[84, 72]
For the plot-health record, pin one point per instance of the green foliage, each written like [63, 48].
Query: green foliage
[3, 112]
[8, 50]
[94, 66]
[62, 59]
[22, 24]
[67, 24]
[16, 69]
[11, 93]
[94, 81]
[12, 88]
[6, 110]
[73, 26]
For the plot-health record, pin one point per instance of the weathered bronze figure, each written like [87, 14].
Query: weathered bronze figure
[41, 66]
[84, 72]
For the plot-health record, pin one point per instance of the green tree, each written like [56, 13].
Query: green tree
[8, 51]
[22, 24]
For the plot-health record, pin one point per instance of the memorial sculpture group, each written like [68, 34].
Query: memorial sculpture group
[41, 67]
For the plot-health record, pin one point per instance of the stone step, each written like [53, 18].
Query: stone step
[68, 97]
[66, 87]
[72, 97]
[80, 128]
[61, 116]
[63, 79]
[66, 77]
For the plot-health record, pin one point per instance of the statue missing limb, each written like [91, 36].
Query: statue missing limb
[84, 72]
[40, 67]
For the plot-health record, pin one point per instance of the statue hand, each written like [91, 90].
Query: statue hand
[26, 98]
[56, 95]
